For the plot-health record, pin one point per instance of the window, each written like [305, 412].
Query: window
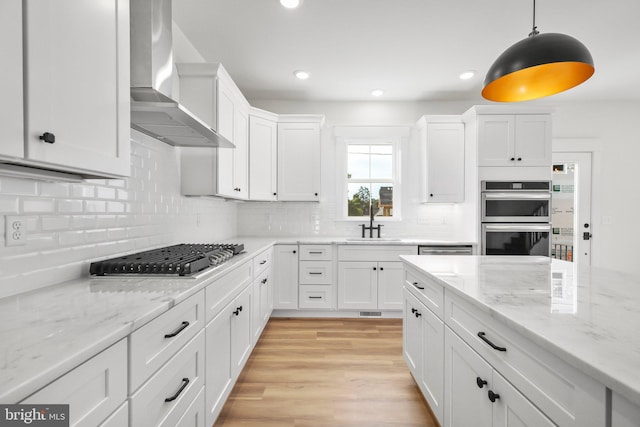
[371, 171]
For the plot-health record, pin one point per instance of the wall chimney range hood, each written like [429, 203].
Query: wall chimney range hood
[153, 111]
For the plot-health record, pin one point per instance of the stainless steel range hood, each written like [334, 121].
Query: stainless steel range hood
[153, 111]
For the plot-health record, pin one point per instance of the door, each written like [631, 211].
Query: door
[285, 287]
[226, 156]
[390, 281]
[496, 139]
[571, 204]
[357, 285]
[432, 375]
[512, 409]
[412, 335]
[240, 311]
[262, 158]
[11, 82]
[533, 140]
[298, 161]
[445, 162]
[218, 354]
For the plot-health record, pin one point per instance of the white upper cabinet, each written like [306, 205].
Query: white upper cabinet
[76, 85]
[12, 145]
[299, 159]
[208, 91]
[442, 143]
[514, 140]
[263, 157]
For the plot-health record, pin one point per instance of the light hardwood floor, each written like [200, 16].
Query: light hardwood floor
[327, 373]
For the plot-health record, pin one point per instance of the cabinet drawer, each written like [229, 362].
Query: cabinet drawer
[194, 416]
[429, 292]
[316, 252]
[315, 272]
[565, 395]
[315, 296]
[221, 291]
[93, 390]
[163, 399]
[372, 252]
[262, 261]
[153, 344]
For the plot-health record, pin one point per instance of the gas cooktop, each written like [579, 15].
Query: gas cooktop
[184, 259]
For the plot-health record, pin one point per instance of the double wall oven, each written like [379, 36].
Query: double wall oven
[516, 218]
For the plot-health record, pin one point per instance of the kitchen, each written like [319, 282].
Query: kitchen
[70, 224]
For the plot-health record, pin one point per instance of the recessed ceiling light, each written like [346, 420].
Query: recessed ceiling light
[377, 92]
[467, 75]
[291, 4]
[301, 74]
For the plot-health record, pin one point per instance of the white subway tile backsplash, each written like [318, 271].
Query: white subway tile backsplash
[71, 225]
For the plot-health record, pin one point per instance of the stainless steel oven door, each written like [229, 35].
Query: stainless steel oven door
[516, 239]
[520, 206]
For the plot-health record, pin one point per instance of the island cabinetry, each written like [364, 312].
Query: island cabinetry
[514, 140]
[563, 394]
[442, 144]
[285, 287]
[316, 276]
[93, 390]
[423, 343]
[56, 60]
[299, 158]
[371, 276]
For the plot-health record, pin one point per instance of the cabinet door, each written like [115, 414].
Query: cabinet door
[262, 158]
[285, 287]
[241, 153]
[357, 285]
[496, 136]
[266, 297]
[623, 412]
[432, 373]
[11, 119]
[533, 140]
[298, 161]
[226, 117]
[466, 404]
[240, 330]
[77, 80]
[390, 281]
[445, 162]
[218, 380]
[412, 335]
[512, 409]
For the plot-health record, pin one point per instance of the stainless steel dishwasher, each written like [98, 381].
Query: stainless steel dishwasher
[445, 250]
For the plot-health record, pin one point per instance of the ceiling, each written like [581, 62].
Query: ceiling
[413, 49]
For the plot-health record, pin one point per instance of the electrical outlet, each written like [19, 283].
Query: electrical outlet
[15, 231]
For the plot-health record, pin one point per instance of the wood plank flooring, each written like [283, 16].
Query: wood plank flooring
[327, 373]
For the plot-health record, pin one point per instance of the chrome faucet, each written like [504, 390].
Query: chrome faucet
[370, 227]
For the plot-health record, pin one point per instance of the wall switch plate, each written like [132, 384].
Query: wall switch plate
[15, 231]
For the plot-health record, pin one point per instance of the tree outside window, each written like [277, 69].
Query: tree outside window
[370, 180]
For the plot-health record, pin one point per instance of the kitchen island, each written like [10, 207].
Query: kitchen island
[582, 319]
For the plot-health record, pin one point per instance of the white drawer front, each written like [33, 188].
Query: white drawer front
[194, 416]
[315, 296]
[565, 395]
[316, 252]
[163, 399]
[153, 344]
[315, 272]
[93, 390]
[221, 291]
[262, 261]
[431, 293]
[371, 252]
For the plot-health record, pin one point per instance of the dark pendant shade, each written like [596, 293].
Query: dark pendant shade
[538, 66]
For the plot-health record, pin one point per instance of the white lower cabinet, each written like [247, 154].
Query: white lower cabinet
[120, 418]
[370, 285]
[228, 346]
[195, 414]
[262, 303]
[285, 287]
[623, 412]
[93, 390]
[165, 397]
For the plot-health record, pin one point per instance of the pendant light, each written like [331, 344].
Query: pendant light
[538, 66]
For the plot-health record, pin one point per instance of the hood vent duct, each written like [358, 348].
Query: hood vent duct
[153, 111]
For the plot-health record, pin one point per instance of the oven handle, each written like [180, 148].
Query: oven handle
[521, 195]
[517, 227]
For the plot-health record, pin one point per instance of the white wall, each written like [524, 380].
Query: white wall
[613, 125]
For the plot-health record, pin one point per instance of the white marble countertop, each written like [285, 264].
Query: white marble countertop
[338, 240]
[589, 317]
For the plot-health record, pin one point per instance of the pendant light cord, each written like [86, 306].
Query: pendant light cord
[534, 30]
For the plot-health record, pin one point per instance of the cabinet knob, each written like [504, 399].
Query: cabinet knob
[481, 383]
[263, 281]
[431, 195]
[374, 269]
[316, 194]
[519, 159]
[493, 396]
[294, 252]
[512, 159]
[413, 310]
[381, 268]
[48, 137]
[418, 314]
[274, 194]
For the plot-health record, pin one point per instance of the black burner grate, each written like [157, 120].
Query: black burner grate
[179, 260]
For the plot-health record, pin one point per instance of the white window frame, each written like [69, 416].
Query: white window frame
[342, 180]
